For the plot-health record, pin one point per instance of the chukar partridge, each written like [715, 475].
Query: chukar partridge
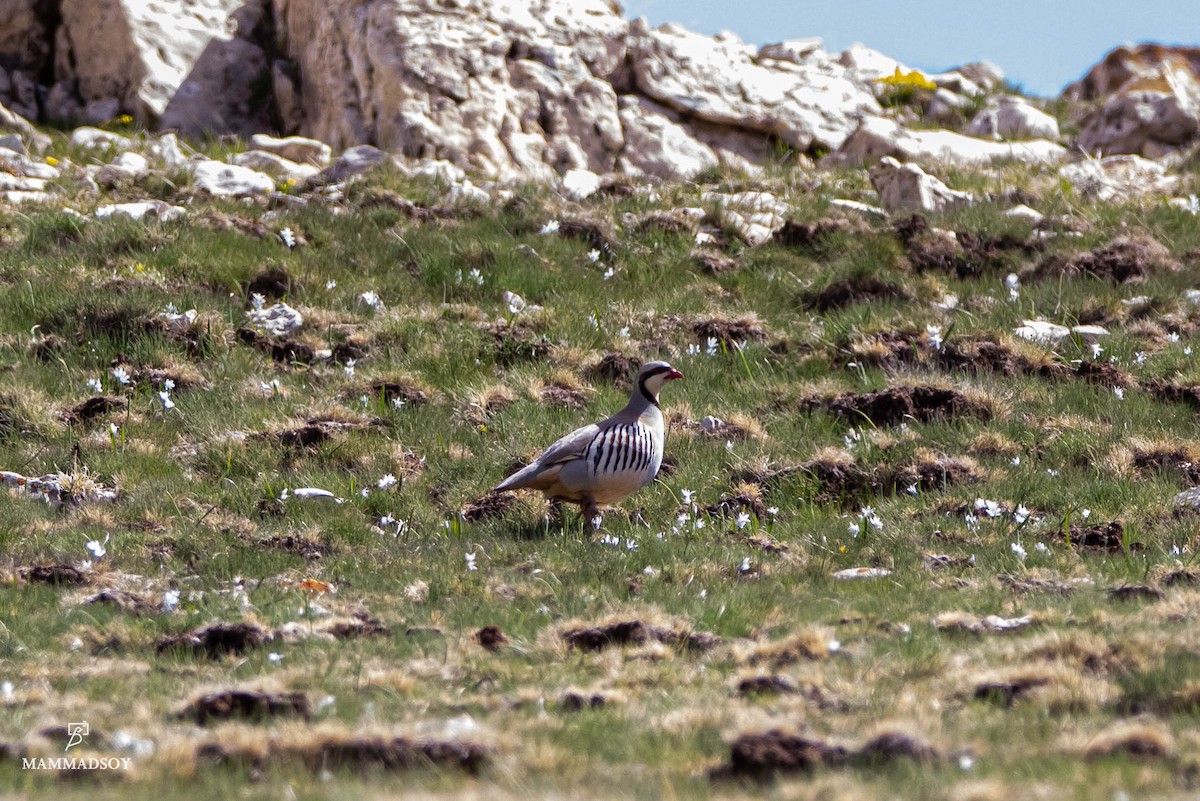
[608, 461]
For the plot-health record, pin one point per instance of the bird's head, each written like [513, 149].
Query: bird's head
[652, 376]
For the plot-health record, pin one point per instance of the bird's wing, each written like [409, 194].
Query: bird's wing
[566, 449]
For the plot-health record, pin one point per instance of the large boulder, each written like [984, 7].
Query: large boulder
[906, 187]
[1149, 101]
[1012, 117]
[802, 101]
[507, 89]
[876, 138]
[135, 57]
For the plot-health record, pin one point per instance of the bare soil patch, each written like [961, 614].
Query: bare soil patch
[251, 705]
[895, 405]
[636, 632]
[215, 640]
[92, 408]
[856, 289]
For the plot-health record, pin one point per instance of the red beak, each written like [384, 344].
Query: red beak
[674, 374]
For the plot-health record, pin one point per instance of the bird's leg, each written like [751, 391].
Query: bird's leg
[591, 514]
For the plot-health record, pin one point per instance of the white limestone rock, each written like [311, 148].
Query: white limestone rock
[719, 80]
[1012, 117]
[274, 165]
[229, 180]
[294, 148]
[140, 210]
[97, 139]
[278, 320]
[1149, 101]
[876, 137]
[657, 146]
[755, 216]
[906, 187]
[1117, 177]
[579, 184]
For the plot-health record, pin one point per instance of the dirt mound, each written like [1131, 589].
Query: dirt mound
[562, 396]
[759, 755]
[895, 405]
[273, 284]
[59, 575]
[512, 344]
[961, 253]
[730, 331]
[775, 684]
[614, 368]
[249, 705]
[714, 262]
[636, 632]
[855, 289]
[743, 498]
[304, 547]
[1178, 459]
[129, 602]
[1175, 392]
[215, 640]
[1127, 259]
[1104, 373]
[1107, 537]
[346, 751]
[281, 349]
[600, 235]
[92, 408]
[391, 391]
[1007, 692]
[490, 638]
[488, 506]
[815, 237]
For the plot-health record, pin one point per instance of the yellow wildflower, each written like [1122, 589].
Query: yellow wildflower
[53, 162]
[911, 80]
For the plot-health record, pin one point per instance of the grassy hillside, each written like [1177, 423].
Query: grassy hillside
[1031, 630]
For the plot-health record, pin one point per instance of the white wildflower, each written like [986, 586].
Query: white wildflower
[1096, 350]
[855, 529]
[711, 346]
[593, 255]
[688, 495]
[744, 567]
[624, 333]
[972, 522]
[397, 403]
[1012, 283]
[121, 375]
[1139, 357]
[476, 276]
[370, 300]
[1016, 461]
[1042, 548]
[609, 273]
[693, 349]
[288, 237]
[331, 284]
[470, 560]
[97, 548]
[1119, 392]
[258, 300]
[743, 519]
[1173, 337]
[596, 522]
[1021, 515]
[550, 228]
[1019, 551]
[934, 332]
[94, 385]
[772, 510]
[170, 600]
[349, 368]
[387, 481]
[164, 398]
[609, 539]
[1086, 513]
[912, 489]
[729, 446]
[649, 571]
[1052, 472]
[275, 657]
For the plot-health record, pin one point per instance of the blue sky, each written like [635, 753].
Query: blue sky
[1041, 45]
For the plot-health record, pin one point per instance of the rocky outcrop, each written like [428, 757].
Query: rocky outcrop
[906, 187]
[540, 89]
[1149, 99]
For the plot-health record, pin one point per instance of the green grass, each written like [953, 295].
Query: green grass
[199, 509]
